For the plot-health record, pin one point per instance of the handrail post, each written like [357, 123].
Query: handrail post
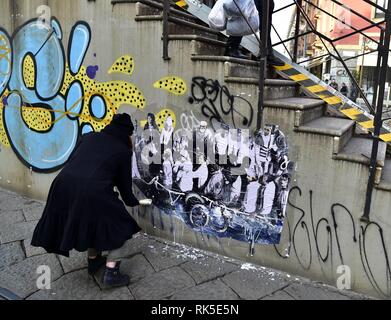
[377, 71]
[166, 9]
[378, 121]
[265, 23]
[297, 30]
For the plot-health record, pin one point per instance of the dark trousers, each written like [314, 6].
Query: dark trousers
[233, 42]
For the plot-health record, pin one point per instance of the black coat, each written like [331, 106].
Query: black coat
[82, 210]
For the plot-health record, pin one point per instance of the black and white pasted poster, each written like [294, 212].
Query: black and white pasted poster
[218, 178]
[224, 182]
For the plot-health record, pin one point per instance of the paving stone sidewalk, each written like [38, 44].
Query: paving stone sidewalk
[158, 269]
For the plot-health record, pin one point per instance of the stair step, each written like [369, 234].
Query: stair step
[273, 89]
[148, 7]
[180, 26]
[233, 69]
[306, 109]
[180, 22]
[250, 65]
[385, 181]
[268, 82]
[341, 129]
[358, 150]
[294, 103]
[146, 10]
[327, 126]
[246, 62]
[199, 38]
[205, 47]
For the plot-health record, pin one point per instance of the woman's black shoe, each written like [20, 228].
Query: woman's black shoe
[234, 53]
[113, 278]
[272, 60]
[95, 264]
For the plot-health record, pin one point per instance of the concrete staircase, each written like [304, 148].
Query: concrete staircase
[283, 98]
[322, 230]
[331, 155]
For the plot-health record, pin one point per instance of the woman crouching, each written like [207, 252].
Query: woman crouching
[83, 212]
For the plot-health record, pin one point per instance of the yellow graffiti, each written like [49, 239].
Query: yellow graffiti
[3, 135]
[29, 72]
[174, 85]
[115, 94]
[124, 65]
[161, 118]
[38, 119]
[4, 53]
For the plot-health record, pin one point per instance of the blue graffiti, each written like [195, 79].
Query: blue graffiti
[49, 150]
[5, 60]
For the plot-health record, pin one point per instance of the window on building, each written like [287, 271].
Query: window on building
[328, 66]
[379, 13]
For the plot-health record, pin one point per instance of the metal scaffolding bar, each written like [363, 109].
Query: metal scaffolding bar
[297, 29]
[166, 10]
[263, 59]
[338, 57]
[378, 121]
[341, 21]
[356, 13]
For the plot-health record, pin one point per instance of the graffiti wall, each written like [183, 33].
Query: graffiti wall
[198, 153]
[214, 175]
[48, 98]
[333, 240]
[218, 179]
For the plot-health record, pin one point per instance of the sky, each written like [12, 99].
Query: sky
[281, 21]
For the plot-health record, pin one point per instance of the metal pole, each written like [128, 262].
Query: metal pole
[377, 72]
[362, 63]
[383, 55]
[166, 9]
[297, 29]
[263, 59]
[339, 58]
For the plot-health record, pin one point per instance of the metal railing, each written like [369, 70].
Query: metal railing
[166, 12]
[382, 65]
[383, 50]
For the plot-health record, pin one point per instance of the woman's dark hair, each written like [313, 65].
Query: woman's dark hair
[154, 125]
[122, 127]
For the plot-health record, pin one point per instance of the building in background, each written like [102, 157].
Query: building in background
[327, 68]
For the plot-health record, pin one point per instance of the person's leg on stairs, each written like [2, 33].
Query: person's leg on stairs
[232, 47]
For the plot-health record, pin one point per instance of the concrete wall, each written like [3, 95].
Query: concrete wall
[322, 230]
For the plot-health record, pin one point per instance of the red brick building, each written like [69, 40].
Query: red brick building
[312, 46]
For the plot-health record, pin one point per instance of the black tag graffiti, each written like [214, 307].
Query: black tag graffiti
[217, 101]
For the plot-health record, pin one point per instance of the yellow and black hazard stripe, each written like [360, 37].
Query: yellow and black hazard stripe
[182, 4]
[310, 85]
[363, 120]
